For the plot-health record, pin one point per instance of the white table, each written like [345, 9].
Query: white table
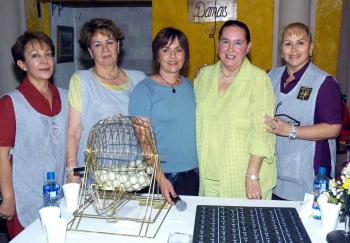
[175, 222]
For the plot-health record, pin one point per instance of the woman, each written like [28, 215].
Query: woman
[166, 99]
[236, 155]
[308, 115]
[33, 124]
[99, 92]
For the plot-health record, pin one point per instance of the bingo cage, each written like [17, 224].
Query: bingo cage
[120, 160]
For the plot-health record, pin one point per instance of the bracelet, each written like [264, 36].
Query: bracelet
[253, 177]
[69, 171]
[70, 160]
[293, 133]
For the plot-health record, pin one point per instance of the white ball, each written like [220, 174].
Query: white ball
[122, 179]
[132, 164]
[122, 167]
[141, 179]
[149, 170]
[136, 187]
[148, 180]
[132, 179]
[111, 175]
[115, 183]
[127, 186]
[138, 163]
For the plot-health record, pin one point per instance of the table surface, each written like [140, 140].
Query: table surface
[175, 221]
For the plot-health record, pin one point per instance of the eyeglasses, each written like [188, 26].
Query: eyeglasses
[285, 117]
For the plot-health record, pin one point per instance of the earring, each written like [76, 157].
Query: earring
[25, 69]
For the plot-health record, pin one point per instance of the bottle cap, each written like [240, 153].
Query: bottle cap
[322, 171]
[51, 175]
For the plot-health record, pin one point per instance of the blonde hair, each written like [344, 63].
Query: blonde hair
[297, 25]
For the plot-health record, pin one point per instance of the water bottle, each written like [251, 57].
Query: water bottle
[320, 185]
[51, 191]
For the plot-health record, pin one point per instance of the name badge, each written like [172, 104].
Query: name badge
[304, 93]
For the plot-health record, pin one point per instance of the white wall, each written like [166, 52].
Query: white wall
[135, 22]
[63, 71]
[12, 24]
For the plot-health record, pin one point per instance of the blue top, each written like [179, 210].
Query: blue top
[173, 119]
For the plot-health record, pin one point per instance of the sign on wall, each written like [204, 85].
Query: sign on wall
[211, 10]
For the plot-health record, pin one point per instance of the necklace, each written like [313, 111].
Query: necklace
[228, 77]
[171, 84]
[112, 78]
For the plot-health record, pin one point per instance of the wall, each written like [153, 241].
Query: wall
[327, 34]
[34, 22]
[63, 71]
[343, 66]
[257, 14]
[12, 12]
[135, 22]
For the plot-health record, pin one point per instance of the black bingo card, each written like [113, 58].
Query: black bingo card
[248, 224]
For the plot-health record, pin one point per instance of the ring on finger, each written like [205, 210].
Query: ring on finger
[273, 126]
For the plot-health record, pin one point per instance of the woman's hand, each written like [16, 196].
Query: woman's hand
[8, 208]
[167, 189]
[252, 185]
[277, 126]
[252, 188]
[73, 179]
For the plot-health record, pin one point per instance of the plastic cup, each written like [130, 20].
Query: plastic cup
[178, 237]
[56, 230]
[47, 214]
[329, 216]
[71, 195]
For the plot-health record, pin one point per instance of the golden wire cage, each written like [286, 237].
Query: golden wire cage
[120, 160]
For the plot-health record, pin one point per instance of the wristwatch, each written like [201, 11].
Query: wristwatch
[253, 177]
[293, 133]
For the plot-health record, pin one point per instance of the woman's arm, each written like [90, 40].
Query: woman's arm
[261, 144]
[74, 134]
[7, 207]
[327, 116]
[143, 134]
[252, 185]
[316, 132]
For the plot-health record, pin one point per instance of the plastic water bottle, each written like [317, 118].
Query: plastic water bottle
[51, 191]
[320, 185]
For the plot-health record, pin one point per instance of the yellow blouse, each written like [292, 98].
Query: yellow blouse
[230, 128]
[75, 96]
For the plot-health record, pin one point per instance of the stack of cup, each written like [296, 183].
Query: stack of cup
[54, 227]
[56, 230]
[71, 195]
[329, 216]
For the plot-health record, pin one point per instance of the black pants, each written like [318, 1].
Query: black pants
[185, 183]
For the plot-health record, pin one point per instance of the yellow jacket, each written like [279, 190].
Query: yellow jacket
[230, 128]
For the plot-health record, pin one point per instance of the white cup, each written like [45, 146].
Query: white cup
[178, 237]
[329, 216]
[71, 195]
[47, 214]
[56, 230]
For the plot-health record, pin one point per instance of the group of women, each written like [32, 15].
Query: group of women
[218, 138]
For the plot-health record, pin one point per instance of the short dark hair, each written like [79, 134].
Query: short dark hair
[101, 25]
[162, 39]
[238, 24]
[17, 49]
